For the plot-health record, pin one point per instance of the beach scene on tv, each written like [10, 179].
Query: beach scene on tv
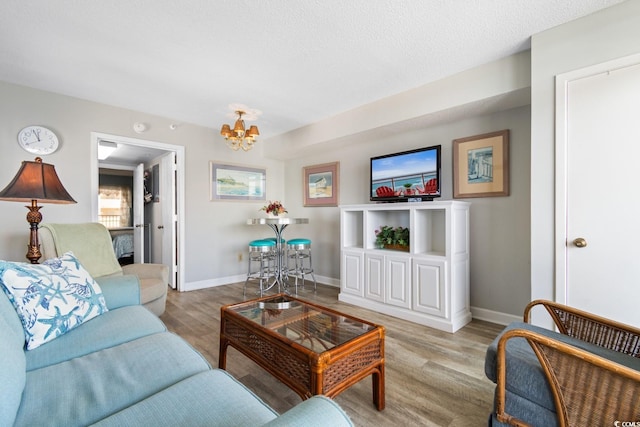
[410, 174]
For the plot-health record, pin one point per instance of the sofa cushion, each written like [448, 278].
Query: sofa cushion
[12, 363]
[211, 398]
[51, 298]
[84, 390]
[119, 291]
[112, 328]
[318, 411]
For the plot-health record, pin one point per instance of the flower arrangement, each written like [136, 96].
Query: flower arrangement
[397, 238]
[274, 208]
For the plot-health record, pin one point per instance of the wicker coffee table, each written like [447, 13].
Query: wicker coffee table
[310, 348]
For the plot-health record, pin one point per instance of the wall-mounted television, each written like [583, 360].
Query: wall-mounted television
[406, 176]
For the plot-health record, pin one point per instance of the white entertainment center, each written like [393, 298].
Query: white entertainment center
[429, 284]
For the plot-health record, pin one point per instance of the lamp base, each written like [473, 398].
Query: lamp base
[33, 218]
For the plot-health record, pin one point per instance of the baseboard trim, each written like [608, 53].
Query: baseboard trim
[476, 312]
[211, 283]
[494, 316]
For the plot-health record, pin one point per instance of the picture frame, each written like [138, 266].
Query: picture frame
[230, 182]
[321, 184]
[481, 165]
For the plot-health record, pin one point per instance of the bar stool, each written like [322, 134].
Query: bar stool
[299, 252]
[262, 253]
[281, 256]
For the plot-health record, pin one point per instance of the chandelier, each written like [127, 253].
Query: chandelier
[238, 137]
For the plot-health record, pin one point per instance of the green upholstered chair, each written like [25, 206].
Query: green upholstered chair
[91, 244]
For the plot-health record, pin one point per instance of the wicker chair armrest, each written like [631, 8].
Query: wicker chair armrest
[587, 389]
[589, 327]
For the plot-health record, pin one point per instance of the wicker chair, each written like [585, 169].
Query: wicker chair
[587, 389]
[590, 327]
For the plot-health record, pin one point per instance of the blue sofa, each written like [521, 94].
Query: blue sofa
[525, 391]
[124, 368]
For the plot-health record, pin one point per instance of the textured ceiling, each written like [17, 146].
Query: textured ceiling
[296, 61]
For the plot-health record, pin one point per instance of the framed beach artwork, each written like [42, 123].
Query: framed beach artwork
[234, 182]
[321, 184]
[481, 165]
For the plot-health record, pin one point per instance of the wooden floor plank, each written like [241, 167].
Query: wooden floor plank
[433, 378]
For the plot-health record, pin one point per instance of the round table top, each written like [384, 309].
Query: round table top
[278, 220]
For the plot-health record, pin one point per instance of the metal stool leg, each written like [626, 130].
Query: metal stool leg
[301, 251]
[260, 252]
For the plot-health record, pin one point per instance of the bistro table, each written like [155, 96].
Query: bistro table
[278, 225]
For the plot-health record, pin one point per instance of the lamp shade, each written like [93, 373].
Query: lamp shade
[253, 131]
[36, 181]
[226, 131]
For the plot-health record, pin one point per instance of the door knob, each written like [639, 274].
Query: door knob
[160, 227]
[580, 242]
[139, 225]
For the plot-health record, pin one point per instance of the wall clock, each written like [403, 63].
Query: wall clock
[38, 140]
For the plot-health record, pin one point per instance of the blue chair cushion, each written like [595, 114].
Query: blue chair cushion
[525, 376]
[264, 242]
[299, 242]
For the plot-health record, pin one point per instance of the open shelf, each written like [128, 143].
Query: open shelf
[430, 283]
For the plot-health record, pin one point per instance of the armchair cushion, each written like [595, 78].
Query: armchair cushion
[525, 376]
[154, 279]
[90, 242]
[51, 298]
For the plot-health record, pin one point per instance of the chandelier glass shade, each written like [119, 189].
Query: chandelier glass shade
[239, 137]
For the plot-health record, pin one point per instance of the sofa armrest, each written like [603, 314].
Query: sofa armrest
[318, 411]
[120, 291]
[582, 383]
[590, 327]
[148, 271]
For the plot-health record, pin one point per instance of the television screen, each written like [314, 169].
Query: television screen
[409, 175]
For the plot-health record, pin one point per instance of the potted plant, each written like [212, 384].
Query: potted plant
[396, 238]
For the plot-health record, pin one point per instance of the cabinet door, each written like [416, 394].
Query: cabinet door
[398, 281]
[351, 273]
[430, 287]
[374, 277]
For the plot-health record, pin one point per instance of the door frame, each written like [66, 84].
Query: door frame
[96, 137]
[561, 164]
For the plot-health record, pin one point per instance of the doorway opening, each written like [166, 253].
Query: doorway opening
[156, 213]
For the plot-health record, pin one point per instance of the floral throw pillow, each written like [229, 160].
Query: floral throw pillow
[51, 298]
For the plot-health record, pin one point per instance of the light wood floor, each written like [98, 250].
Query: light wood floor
[433, 378]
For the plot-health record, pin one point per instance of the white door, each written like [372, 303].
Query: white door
[598, 250]
[138, 214]
[169, 215]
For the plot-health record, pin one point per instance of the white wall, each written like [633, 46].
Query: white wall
[215, 231]
[605, 35]
[499, 225]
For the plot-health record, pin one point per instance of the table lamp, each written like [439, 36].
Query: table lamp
[35, 181]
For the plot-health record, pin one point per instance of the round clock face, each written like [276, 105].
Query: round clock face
[38, 140]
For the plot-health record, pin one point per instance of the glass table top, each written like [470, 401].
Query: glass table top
[311, 326]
